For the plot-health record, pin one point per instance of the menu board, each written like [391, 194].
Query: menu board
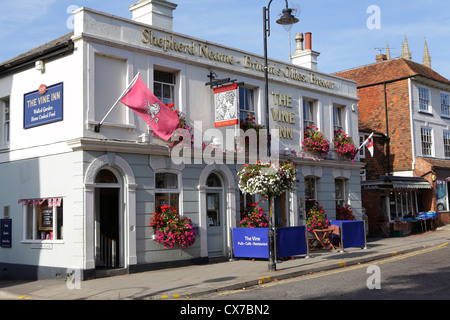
[46, 218]
[6, 236]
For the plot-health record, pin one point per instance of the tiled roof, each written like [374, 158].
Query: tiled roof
[390, 70]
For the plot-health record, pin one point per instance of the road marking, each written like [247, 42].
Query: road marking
[342, 264]
[395, 257]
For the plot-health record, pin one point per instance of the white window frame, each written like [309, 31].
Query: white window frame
[343, 197]
[169, 190]
[310, 120]
[247, 96]
[424, 99]
[314, 187]
[446, 142]
[170, 85]
[338, 118]
[428, 143]
[445, 104]
[5, 123]
[35, 237]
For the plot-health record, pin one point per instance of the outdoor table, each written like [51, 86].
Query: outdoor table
[323, 237]
[384, 228]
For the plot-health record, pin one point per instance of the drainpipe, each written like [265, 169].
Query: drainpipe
[413, 141]
[388, 139]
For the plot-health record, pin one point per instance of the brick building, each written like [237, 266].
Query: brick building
[407, 104]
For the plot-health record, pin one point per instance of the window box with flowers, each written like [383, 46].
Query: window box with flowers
[315, 142]
[344, 145]
[171, 229]
[183, 129]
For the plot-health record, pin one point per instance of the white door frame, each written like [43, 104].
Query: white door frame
[229, 200]
[128, 209]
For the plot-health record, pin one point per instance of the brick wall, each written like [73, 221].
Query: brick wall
[372, 116]
[422, 167]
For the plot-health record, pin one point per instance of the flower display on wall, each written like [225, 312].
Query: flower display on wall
[268, 180]
[253, 217]
[315, 142]
[344, 145]
[172, 230]
[186, 129]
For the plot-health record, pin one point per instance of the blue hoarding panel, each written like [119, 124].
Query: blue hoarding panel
[251, 242]
[352, 233]
[43, 107]
[291, 241]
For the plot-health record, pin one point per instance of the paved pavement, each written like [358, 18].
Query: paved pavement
[193, 281]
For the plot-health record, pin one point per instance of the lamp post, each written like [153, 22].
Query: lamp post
[287, 19]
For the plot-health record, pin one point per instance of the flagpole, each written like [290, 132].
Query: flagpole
[97, 126]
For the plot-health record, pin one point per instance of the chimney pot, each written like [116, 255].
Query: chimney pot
[308, 42]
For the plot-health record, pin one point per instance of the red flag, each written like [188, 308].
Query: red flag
[158, 116]
[370, 146]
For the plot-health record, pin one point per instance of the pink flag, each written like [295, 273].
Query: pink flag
[158, 116]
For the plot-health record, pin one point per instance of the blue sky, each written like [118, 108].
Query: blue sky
[339, 28]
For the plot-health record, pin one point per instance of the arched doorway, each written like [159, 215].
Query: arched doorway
[120, 185]
[108, 220]
[216, 185]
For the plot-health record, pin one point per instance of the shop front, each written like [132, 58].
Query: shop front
[394, 204]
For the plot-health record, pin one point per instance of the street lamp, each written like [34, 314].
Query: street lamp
[287, 20]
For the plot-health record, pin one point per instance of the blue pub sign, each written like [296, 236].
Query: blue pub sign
[43, 106]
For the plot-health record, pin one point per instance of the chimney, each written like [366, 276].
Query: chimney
[306, 58]
[381, 57]
[158, 13]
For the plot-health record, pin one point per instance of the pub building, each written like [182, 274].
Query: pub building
[80, 184]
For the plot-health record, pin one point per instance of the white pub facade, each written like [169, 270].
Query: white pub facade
[71, 196]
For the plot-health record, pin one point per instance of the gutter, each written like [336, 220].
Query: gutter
[28, 60]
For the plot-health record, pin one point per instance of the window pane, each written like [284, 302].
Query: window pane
[105, 176]
[166, 199]
[213, 181]
[166, 180]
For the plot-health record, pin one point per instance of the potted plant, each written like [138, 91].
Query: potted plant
[344, 213]
[344, 145]
[315, 216]
[315, 142]
[171, 229]
[253, 217]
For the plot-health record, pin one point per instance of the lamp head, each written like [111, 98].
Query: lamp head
[287, 19]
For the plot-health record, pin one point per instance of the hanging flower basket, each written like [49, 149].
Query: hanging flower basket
[172, 230]
[344, 145]
[268, 180]
[253, 217]
[315, 142]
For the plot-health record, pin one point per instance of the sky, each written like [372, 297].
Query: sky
[347, 33]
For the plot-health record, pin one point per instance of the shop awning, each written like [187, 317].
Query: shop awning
[396, 182]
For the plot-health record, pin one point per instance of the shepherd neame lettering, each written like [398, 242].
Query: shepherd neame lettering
[169, 43]
[202, 50]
